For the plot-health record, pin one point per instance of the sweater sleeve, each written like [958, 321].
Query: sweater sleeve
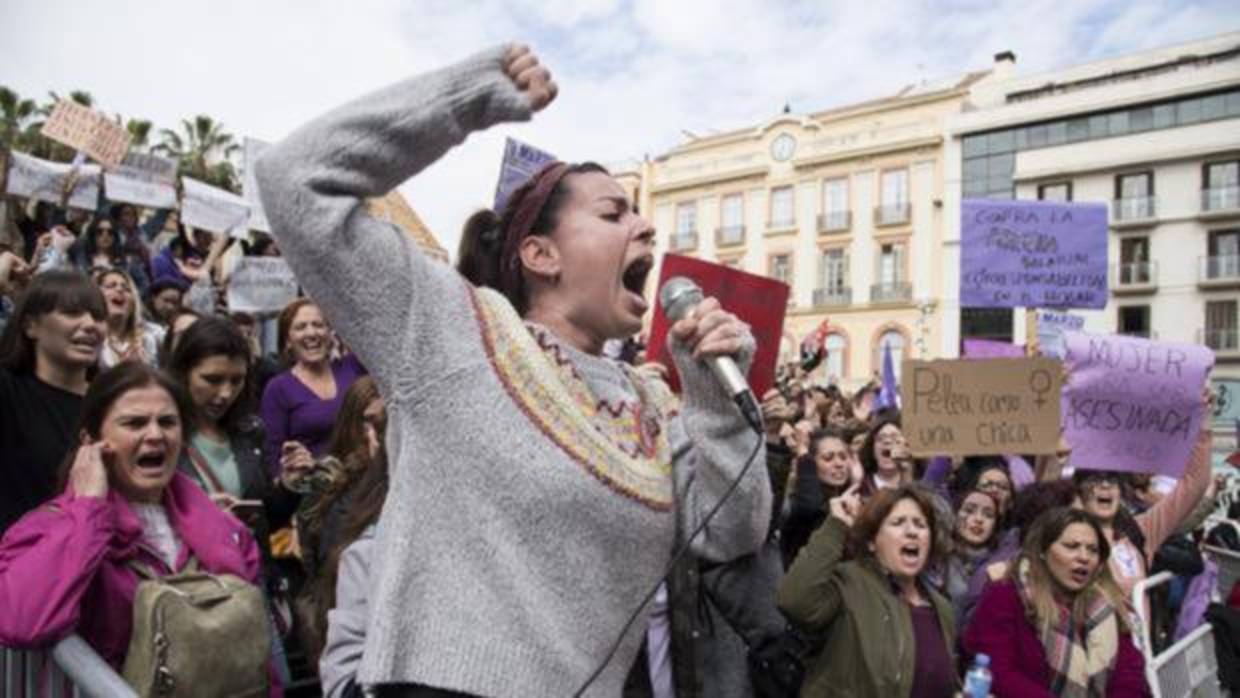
[993, 631]
[397, 308]
[712, 445]
[809, 594]
[346, 623]
[1165, 517]
[48, 560]
[275, 416]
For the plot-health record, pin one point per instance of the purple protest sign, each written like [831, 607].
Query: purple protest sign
[521, 161]
[990, 349]
[1131, 404]
[1032, 254]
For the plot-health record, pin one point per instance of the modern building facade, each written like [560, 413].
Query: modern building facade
[845, 206]
[1155, 136]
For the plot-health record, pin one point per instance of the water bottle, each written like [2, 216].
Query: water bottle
[977, 681]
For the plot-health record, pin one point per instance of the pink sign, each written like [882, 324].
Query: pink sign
[1131, 404]
[990, 349]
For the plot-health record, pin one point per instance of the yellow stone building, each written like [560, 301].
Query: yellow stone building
[843, 205]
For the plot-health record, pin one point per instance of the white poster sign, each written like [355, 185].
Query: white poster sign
[140, 192]
[214, 209]
[44, 180]
[148, 168]
[261, 285]
[249, 185]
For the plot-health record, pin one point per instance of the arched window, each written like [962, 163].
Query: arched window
[836, 347]
[895, 340]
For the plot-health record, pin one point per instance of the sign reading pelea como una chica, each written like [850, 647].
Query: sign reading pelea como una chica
[1033, 254]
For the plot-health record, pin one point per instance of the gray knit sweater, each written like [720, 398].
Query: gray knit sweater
[503, 567]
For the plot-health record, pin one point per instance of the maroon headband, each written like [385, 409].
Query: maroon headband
[526, 204]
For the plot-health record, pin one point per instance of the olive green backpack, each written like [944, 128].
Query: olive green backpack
[197, 634]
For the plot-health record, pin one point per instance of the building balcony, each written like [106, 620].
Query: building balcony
[683, 241]
[1133, 211]
[834, 221]
[781, 226]
[1225, 343]
[891, 292]
[893, 214]
[1135, 277]
[1220, 202]
[729, 235]
[832, 297]
[1219, 271]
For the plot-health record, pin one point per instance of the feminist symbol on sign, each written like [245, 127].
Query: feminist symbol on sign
[1040, 382]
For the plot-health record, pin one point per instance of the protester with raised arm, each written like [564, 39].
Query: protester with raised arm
[535, 483]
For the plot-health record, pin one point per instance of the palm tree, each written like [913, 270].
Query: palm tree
[15, 116]
[39, 145]
[204, 150]
[140, 132]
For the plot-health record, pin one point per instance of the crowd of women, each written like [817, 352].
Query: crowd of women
[561, 523]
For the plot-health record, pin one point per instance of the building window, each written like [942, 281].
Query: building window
[783, 214]
[781, 267]
[685, 237]
[1221, 326]
[1134, 320]
[1134, 261]
[895, 340]
[1055, 191]
[1134, 196]
[893, 198]
[1223, 258]
[1220, 186]
[833, 288]
[732, 211]
[890, 274]
[986, 323]
[836, 365]
[835, 208]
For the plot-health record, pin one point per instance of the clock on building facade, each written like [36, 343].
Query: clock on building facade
[783, 147]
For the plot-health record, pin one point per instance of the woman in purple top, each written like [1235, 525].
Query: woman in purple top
[299, 405]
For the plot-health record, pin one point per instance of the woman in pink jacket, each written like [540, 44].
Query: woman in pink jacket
[64, 567]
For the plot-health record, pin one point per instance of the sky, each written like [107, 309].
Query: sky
[634, 75]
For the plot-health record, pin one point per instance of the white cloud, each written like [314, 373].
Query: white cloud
[632, 74]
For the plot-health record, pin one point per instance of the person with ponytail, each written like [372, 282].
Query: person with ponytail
[536, 485]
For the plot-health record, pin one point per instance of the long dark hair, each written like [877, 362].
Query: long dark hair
[215, 336]
[868, 462]
[68, 292]
[482, 239]
[106, 389]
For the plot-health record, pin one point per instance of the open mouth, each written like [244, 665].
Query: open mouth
[1104, 501]
[151, 460]
[88, 342]
[1080, 575]
[910, 553]
[634, 279]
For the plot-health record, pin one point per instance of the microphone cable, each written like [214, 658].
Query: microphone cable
[680, 553]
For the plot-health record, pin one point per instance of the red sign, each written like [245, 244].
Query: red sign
[757, 300]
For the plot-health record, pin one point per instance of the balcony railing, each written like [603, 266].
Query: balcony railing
[1133, 208]
[1224, 340]
[1136, 275]
[781, 224]
[729, 235]
[832, 296]
[1220, 199]
[892, 214]
[684, 241]
[1220, 269]
[891, 292]
[834, 221]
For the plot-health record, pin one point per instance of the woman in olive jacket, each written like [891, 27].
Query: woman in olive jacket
[887, 633]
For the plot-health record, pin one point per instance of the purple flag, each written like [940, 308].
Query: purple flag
[989, 349]
[1032, 254]
[1131, 404]
[888, 394]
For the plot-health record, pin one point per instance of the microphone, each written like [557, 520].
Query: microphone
[678, 297]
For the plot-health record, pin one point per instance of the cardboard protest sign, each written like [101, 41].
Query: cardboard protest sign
[44, 180]
[85, 129]
[757, 300]
[1052, 325]
[261, 285]
[989, 349]
[521, 161]
[994, 407]
[217, 210]
[249, 185]
[1032, 254]
[1132, 404]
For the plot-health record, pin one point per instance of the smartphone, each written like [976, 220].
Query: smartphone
[246, 509]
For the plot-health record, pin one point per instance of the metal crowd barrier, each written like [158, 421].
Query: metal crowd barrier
[1187, 668]
[69, 670]
[1228, 569]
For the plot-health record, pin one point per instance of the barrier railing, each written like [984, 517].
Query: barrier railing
[1189, 668]
[69, 670]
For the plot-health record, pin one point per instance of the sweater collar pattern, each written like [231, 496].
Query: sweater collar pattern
[623, 445]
